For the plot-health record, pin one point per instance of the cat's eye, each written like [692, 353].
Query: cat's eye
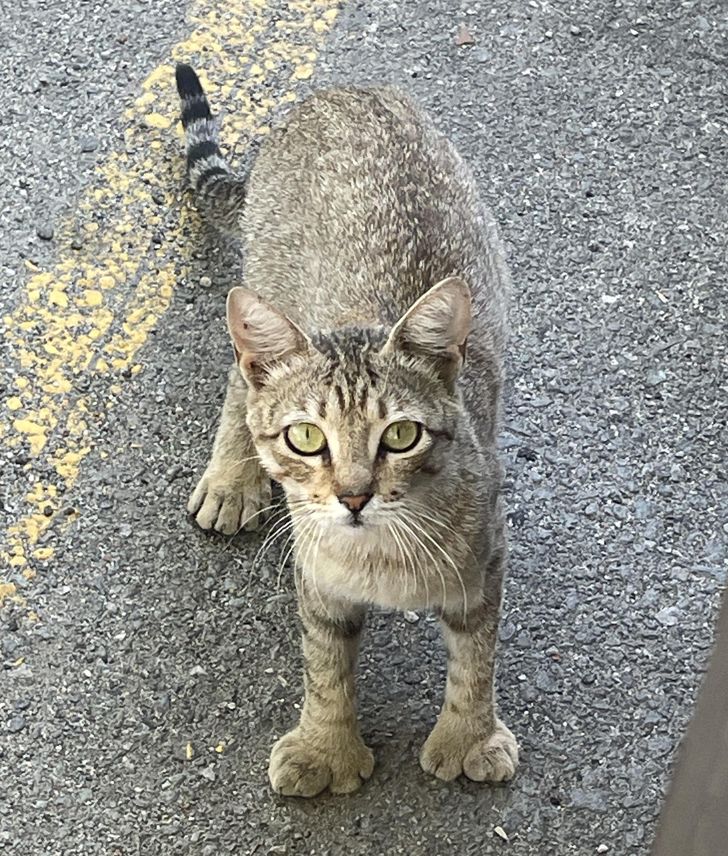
[401, 436]
[304, 438]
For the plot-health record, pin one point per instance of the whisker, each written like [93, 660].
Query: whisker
[271, 538]
[237, 462]
[448, 530]
[285, 553]
[390, 533]
[291, 539]
[304, 564]
[268, 542]
[452, 563]
[423, 514]
[247, 520]
[416, 569]
[288, 524]
[434, 562]
[405, 566]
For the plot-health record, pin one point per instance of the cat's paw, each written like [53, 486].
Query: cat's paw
[454, 748]
[229, 501]
[302, 764]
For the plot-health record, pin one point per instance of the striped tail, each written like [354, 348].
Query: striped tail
[219, 192]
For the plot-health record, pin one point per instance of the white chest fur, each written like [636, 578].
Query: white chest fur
[373, 568]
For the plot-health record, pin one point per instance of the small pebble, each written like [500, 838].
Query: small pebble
[669, 616]
[205, 282]
[546, 682]
[592, 800]
[208, 773]
[16, 724]
[44, 231]
[655, 377]
[89, 144]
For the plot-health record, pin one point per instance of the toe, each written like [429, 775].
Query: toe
[486, 763]
[252, 518]
[228, 518]
[494, 759]
[346, 784]
[197, 497]
[294, 772]
[207, 515]
[438, 762]
[349, 778]
[299, 778]
[253, 515]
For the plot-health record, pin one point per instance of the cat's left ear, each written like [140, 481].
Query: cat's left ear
[437, 326]
[262, 335]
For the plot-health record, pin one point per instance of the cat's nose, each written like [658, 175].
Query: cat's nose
[355, 503]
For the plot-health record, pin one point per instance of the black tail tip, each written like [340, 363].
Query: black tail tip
[188, 83]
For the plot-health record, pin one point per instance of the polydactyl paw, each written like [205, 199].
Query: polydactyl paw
[454, 747]
[303, 763]
[230, 500]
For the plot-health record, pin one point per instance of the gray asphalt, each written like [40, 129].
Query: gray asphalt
[598, 133]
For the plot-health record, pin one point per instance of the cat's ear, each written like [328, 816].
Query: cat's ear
[261, 335]
[437, 325]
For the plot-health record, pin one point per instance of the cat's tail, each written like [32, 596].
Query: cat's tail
[219, 192]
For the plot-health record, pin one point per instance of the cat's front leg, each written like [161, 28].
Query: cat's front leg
[234, 490]
[325, 749]
[468, 736]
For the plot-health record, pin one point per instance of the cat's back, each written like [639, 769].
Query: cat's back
[357, 205]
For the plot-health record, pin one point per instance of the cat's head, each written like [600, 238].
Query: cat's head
[355, 424]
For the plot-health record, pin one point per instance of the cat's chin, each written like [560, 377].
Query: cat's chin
[350, 528]
[361, 531]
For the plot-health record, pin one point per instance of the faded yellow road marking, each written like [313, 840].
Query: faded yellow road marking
[92, 312]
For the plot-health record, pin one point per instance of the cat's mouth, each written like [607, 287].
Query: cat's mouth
[357, 523]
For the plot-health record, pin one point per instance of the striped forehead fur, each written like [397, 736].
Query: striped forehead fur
[349, 352]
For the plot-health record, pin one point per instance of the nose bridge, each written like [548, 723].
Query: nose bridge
[352, 465]
[352, 478]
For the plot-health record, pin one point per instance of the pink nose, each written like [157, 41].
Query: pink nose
[355, 503]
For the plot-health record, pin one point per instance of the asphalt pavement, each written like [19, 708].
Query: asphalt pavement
[147, 668]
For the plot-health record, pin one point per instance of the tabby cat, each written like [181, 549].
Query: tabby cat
[369, 264]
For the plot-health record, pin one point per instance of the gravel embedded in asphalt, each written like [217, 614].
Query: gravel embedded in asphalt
[137, 713]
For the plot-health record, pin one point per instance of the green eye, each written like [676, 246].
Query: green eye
[401, 436]
[305, 438]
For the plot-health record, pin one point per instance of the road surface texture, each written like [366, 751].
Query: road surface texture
[148, 668]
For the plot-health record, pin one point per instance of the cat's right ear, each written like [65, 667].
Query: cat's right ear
[261, 335]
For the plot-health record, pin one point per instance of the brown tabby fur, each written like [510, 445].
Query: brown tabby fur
[365, 243]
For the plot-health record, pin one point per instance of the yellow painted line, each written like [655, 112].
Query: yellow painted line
[91, 313]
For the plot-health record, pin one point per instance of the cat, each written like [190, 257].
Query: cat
[369, 264]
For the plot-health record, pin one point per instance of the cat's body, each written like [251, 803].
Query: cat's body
[365, 239]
